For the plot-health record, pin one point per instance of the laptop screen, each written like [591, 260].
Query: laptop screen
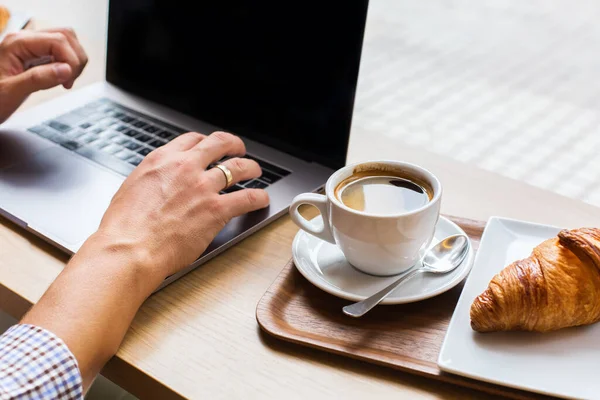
[282, 73]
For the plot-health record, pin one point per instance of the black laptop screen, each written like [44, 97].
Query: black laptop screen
[279, 72]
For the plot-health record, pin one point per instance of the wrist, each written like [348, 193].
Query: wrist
[92, 302]
[124, 263]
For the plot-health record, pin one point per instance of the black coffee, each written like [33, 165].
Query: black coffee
[383, 194]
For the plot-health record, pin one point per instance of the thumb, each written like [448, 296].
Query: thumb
[39, 78]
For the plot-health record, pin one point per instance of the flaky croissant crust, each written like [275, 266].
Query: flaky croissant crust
[557, 286]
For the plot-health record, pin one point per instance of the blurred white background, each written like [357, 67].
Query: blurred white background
[507, 86]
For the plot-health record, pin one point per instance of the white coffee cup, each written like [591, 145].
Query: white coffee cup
[376, 244]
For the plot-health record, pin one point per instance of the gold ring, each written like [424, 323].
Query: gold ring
[227, 173]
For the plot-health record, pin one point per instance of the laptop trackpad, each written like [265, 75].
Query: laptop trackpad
[58, 194]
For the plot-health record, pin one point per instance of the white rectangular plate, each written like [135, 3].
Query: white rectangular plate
[562, 363]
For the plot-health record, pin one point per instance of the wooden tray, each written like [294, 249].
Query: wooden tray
[406, 337]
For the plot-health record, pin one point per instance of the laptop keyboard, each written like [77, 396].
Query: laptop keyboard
[119, 138]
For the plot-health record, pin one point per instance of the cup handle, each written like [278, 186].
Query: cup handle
[319, 201]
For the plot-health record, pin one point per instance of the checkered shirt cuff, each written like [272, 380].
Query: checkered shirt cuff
[35, 364]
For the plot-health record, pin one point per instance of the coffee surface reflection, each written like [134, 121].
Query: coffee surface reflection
[383, 195]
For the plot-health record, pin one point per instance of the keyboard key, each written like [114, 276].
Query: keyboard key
[256, 184]
[106, 122]
[48, 133]
[95, 118]
[144, 151]
[131, 132]
[135, 160]
[71, 145]
[59, 126]
[269, 177]
[85, 125]
[112, 149]
[139, 124]
[119, 115]
[120, 128]
[165, 135]
[124, 154]
[89, 138]
[127, 118]
[101, 143]
[265, 165]
[97, 130]
[151, 129]
[74, 134]
[143, 138]
[120, 139]
[156, 143]
[108, 134]
[38, 129]
[131, 145]
[243, 183]
[232, 189]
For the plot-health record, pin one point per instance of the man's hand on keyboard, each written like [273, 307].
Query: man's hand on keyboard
[169, 209]
[62, 60]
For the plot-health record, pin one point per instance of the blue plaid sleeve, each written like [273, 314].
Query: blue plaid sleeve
[35, 364]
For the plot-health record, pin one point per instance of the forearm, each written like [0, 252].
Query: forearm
[93, 301]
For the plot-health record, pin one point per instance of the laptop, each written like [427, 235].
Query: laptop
[281, 76]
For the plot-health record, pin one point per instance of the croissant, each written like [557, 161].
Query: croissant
[4, 17]
[557, 286]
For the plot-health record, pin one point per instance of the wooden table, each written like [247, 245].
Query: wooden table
[198, 338]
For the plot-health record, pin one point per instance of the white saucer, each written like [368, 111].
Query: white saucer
[325, 266]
